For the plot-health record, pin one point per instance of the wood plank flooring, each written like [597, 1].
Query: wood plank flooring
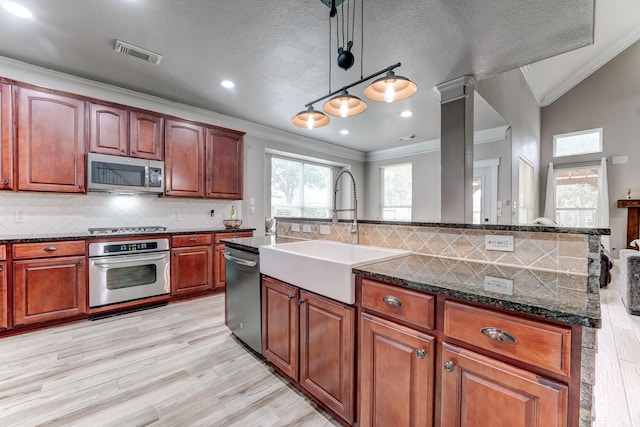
[179, 366]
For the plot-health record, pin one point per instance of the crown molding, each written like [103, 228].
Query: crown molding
[454, 89]
[40, 76]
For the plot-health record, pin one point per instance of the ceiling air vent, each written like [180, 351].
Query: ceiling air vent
[138, 52]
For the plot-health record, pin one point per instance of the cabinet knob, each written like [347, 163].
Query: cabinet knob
[448, 366]
[81, 262]
[290, 297]
[50, 249]
[192, 239]
[300, 301]
[392, 301]
[421, 353]
[5, 182]
[498, 334]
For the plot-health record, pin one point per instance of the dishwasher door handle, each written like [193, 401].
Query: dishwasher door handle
[240, 261]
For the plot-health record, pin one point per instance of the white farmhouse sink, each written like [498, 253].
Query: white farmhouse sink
[321, 266]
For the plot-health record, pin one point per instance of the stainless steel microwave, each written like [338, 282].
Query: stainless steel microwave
[124, 174]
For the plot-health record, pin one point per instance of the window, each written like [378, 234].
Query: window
[576, 196]
[300, 188]
[525, 192]
[396, 192]
[574, 143]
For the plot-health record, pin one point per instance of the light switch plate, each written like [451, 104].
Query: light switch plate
[306, 228]
[499, 243]
[295, 227]
[325, 229]
[498, 284]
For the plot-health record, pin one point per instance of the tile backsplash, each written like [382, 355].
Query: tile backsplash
[47, 213]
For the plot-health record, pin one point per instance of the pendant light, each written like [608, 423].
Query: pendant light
[344, 105]
[390, 88]
[310, 118]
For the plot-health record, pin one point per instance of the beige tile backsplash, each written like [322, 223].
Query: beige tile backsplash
[543, 251]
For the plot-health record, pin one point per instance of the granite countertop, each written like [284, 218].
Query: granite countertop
[252, 244]
[34, 238]
[551, 295]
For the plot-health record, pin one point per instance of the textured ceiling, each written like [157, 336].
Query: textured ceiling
[278, 54]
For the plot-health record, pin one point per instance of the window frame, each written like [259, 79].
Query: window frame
[382, 190]
[574, 167]
[600, 148]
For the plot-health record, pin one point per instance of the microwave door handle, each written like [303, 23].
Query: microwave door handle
[240, 261]
[130, 260]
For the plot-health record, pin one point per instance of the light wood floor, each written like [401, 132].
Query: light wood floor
[178, 366]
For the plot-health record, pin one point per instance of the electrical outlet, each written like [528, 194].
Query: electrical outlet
[176, 216]
[252, 209]
[295, 227]
[499, 243]
[213, 212]
[325, 229]
[306, 228]
[498, 284]
[21, 217]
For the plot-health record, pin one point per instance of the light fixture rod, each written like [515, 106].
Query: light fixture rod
[362, 80]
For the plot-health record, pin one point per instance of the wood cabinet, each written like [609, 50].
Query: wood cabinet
[50, 281]
[6, 138]
[224, 165]
[478, 390]
[311, 339]
[51, 142]
[396, 359]
[219, 263]
[4, 303]
[184, 159]
[146, 136]
[191, 264]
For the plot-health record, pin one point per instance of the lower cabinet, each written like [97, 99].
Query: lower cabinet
[4, 303]
[49, 289]
[478, 390]
[396, 370]
[311, 339]
[219, 269]
[191, 264]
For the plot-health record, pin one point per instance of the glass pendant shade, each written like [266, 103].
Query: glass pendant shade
[344, 105]
[390, 88]
[310, 119]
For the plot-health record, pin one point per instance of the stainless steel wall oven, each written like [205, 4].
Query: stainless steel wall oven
[128, 270]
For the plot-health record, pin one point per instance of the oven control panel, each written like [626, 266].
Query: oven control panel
[128, 247]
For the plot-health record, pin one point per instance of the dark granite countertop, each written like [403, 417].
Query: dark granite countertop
[34, 238]
[252, 244]
[551, 295]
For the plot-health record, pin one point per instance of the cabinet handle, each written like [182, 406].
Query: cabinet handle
[421, 353]
[192, 239]
[50, 248]
[81, 262]
[300, 302]
[448, 366]
[80, 186]
[290, 297]
[5, 182]
[498, 335]
[392, 301]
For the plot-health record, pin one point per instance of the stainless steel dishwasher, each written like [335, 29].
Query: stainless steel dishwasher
[244, 303]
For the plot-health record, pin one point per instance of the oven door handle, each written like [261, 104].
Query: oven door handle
[130, 260]
[240, 261]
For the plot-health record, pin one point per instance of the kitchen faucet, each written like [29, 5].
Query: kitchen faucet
[354, 225]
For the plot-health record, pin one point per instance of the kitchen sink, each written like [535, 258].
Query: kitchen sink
[321, 266]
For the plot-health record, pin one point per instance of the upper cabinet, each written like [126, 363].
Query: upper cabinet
[224, 164]
[51, 142]
[184, 159]
[6, 138]
[121, 132]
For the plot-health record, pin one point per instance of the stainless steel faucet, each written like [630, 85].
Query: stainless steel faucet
[354, 224]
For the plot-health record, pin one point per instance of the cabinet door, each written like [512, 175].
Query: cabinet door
[480, 391]
[51, 142]
[146, 138]
[6, 138]
[184, 162]
[224, 164]
[108, 130]
[4, 303]
[220, 267]
[49, 289]
[327, 347]
[280, 325]
[396, 377]
[191, 270]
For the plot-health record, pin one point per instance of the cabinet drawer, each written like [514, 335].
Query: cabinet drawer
[48, 249]
[540, 344]
[191, 240]
[403, 305]
[3, 252]
[230, 235]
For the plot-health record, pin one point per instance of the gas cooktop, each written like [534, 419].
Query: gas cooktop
[125, 230]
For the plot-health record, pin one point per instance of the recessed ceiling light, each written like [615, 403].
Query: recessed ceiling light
[406, 113]
[227, 84]
[17, 9]
[344, 132]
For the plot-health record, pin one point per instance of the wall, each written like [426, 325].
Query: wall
[610, 99]
[509, 94]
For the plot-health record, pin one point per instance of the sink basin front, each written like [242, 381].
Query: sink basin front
[321, 266]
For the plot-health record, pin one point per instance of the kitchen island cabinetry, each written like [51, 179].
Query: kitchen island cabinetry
[6, 138]
[224, 164]
[49, 281]
[4, 303]
[219, 269]
[311, 339]
[51, 141]
[184, 159]
[191, 264]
